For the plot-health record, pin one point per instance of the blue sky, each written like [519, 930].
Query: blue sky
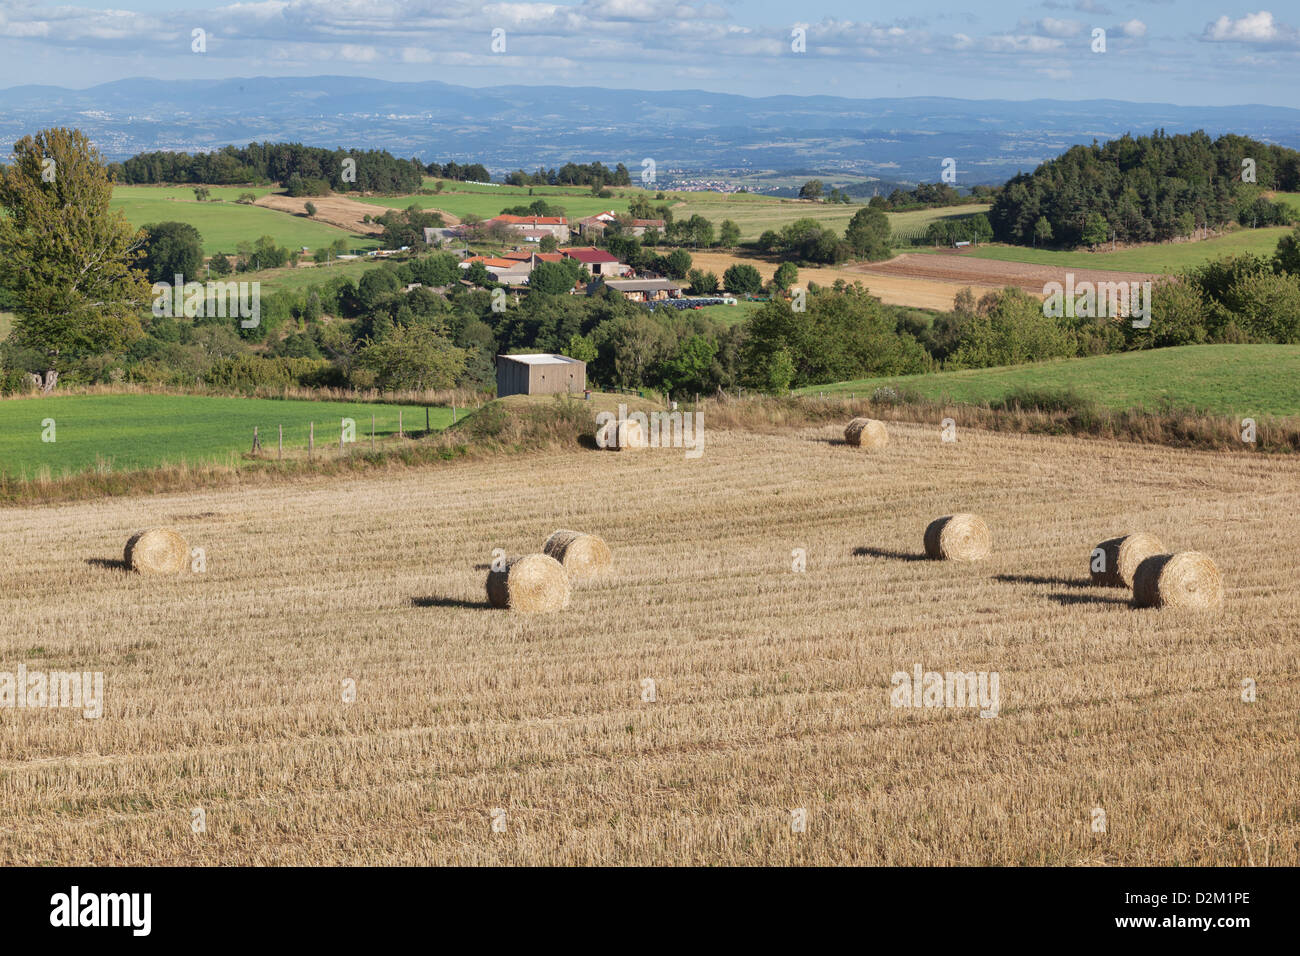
[1191, 52]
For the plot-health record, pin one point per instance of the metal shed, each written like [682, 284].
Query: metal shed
[540, 374]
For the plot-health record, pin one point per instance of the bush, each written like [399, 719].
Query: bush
[246, 373]
[742, 279]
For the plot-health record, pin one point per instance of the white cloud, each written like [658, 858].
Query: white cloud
[1133, 28]
[358, 54]
[1258, 28]
[1053, 27]
[1010, 43]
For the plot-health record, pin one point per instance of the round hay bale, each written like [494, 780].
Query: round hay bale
[866, 433]
[625, 435]
[1121, 557]
[1188, 579]
[959, 537]
[530, 582]
[157, 551]
[583, 555]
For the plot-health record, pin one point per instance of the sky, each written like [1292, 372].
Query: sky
[1189, 52]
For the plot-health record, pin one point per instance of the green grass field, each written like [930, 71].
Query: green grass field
[1170, 257]
[223, 225]
[755, 213]
[1247, 380]
[729, 314]
[130, 432]
[1290, 199]
[186, 193]
[918, 220]
[295, 280]
[462, 199]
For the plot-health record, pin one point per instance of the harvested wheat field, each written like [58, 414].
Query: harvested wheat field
[988, 273]
[921, 293]
[336, 210]
[225, 690]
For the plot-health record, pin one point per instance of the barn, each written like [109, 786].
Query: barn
[539, 374]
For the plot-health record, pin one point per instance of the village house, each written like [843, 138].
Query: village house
[503, 270]
[595, 225]
[434, 235]
[598, 261]
[641, 226]
[533, 228]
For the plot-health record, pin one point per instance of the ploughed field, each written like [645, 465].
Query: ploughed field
[989, 273]
[224, 690]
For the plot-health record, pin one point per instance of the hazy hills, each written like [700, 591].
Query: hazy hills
[507, 127]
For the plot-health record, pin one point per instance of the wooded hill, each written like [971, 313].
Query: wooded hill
[1143, 189]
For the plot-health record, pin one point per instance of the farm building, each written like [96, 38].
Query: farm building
[640, 290]
[595, 225]
[598, 261]
[539, 374]
[534, 228]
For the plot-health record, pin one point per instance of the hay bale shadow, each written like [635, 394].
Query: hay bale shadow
[448, 602]
[888, 553]
[116, 564]
[1066, 599]
[1042, 579]
[826, 441]
[589, 442]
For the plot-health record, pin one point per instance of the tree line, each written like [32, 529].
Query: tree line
[572, 174]
[374, 170]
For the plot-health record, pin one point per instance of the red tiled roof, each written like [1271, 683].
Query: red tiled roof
[589, 254]
[550, 256]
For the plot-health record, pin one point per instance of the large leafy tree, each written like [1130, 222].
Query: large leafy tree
[742, 278]
[65, 256]
[868, 234]
[413, 358]
[172, 249]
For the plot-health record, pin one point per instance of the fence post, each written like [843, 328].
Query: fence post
[399, 423]
[426, 419]
[453, 411]
[372, 431]
[311, 439]
[280, 445]
[340, 436]
[257, 442]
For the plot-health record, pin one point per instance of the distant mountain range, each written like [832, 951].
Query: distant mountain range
[686, 132]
